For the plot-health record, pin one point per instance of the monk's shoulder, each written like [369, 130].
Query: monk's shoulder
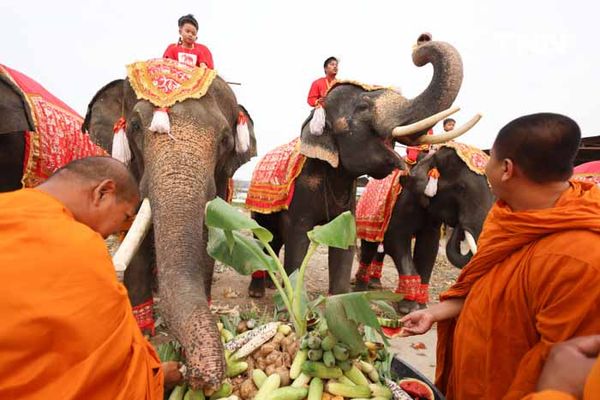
[579, 245]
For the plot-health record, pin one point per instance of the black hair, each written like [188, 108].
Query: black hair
[543, 146]
[329, 59]
[187, 19]
[448, 120]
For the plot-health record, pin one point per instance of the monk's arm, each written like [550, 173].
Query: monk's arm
[446, 309]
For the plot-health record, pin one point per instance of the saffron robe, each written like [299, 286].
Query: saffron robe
[68, 331]
[318, 90]
[534, 282]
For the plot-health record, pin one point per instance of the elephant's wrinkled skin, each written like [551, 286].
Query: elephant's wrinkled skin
[462, 201]
[178, 175]
[356, 141]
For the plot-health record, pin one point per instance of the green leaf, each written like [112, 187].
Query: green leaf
[220, 214]
[358, 309]
[303, 299]
[340, 233]
[316, 302]
[342, 327]
[246, 254]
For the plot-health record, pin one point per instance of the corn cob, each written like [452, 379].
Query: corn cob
[319, 370]
[340, 389]
[178, 393]
[270, 384]
[242, 339]
[373, 375]
[356, 376]
[236, 368]
[224, 391]
[301, 381]
[296, 367]
[264, 334]
[365, 366]
[288, 393]
[258, 377]
[397, 392]
[378, 390]
[345, 380]
[226, 335]
[315, 390]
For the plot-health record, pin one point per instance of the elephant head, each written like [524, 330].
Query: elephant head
[179, 173]
[356, 114]
[462, 199]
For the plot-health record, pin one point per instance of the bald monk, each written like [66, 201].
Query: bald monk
[67, 328]
[535, 280]
[571, 372]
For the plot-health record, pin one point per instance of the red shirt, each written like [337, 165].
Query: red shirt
[195, 56]
[318, 90]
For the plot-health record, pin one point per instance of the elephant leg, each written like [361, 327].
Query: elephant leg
[139, 280]
[368, 250]
[425, 253]
[376, 271]
[340, 269]
[296, 246]
[408, 280]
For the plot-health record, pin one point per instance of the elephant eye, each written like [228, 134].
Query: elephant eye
[362, 106]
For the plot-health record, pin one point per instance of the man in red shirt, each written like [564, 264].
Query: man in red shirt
[319, 88]
[187, 51]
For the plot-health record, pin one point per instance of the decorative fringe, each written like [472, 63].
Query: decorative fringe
[423, 294]
[317, 123]
[432, 184]
[160, 121]
[144, 317]
[380, 248]
[408, 286]
[242, 140]
[375, 270]
[120, 144]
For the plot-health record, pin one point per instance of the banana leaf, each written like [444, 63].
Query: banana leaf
[340, 232]
[222, 215]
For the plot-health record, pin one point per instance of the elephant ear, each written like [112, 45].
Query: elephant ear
[109, 104]
[321, 146]
[11, 99]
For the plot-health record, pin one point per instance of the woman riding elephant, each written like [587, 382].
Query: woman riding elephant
[447, 186]
[350, 136]
[207, 136]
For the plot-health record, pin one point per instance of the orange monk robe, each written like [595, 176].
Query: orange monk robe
[591, 390]
[67, 328]
[534, 282]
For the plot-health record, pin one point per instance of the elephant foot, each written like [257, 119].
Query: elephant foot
[422, 306]
[269, 283]
[360, 286]
[257, 288]
[375, 284]
[406, 306]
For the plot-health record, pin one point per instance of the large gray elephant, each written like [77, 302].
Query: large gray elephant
[361, 125]
[179, 173]
[462, 201]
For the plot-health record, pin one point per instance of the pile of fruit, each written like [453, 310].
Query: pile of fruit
[269, 362]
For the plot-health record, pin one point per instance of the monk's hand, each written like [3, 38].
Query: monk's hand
[172, 372]
[569, 364]
[416, 323]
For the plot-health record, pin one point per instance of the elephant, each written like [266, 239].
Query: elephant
[361, 125]
[462, 201]
[179, 173]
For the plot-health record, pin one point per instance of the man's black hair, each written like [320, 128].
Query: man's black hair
[543, 146]
[187, 19]
[329, 59]
[448, 120]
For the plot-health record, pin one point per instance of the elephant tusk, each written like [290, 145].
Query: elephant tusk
[450, 135]
[423, 124]
[464, 248]
[133, 239]
[471, 242]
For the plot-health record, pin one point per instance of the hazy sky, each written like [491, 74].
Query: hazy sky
[519, 56]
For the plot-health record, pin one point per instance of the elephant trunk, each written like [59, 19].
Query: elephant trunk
[180, 184]
[393, 110]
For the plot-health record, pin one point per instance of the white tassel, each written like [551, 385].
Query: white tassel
[120, 144]
[432, 183]
[160, 121]
[380, 248]
[317, 123]
[242, 142]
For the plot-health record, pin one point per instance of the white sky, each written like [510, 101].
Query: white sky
[519, 56]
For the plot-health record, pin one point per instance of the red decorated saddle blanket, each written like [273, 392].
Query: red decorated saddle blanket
[588, 172]
[374, 208]
[272, 185]
[57, 139]
[163, 81]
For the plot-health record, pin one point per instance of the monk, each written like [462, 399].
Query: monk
[571, 372]
[67, 328]
[535, 280]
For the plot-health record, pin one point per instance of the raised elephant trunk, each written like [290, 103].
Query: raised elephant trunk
[180, 183]
[393, 110]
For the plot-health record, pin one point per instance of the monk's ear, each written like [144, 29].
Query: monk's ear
[103, 190]
[508, 169]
